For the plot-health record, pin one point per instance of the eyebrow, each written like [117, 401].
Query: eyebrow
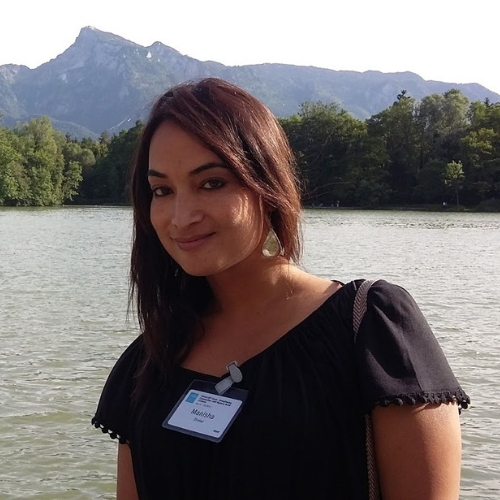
[206, 166]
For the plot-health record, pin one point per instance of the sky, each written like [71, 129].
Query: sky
[451, 41]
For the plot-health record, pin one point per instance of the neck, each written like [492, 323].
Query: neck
[246, 291]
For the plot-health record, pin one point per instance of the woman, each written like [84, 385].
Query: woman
[247, 380]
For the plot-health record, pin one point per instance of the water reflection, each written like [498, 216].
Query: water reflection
[405, 219]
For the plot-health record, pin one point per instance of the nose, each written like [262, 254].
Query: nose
[185, 211]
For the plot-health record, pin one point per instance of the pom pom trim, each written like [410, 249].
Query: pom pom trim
[106, 430]
[457, 396]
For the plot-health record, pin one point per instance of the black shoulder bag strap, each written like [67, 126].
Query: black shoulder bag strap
[358, 312]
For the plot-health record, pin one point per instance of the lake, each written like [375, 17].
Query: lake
[63, 305]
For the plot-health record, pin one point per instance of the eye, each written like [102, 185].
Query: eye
[213, 184]
[160, 191]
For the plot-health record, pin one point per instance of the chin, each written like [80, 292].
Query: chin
[204, 271]
[196, 273]
[197, 270]
[214, 265]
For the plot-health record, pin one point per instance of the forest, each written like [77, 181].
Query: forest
[441, 151]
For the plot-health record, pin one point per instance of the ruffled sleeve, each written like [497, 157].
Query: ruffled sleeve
[399, 359]
[114, 408]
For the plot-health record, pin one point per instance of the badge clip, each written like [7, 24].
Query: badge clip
[235, 376]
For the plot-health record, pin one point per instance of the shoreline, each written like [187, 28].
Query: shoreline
[410, 208]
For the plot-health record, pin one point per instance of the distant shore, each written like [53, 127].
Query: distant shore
[490, 208]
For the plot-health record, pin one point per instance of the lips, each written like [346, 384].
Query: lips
[193, 242]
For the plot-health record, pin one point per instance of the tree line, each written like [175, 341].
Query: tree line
[440, 150]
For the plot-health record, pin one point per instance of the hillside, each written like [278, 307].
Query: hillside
[104, 82]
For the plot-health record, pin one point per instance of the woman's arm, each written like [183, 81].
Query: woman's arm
[418, 451]
[125, 482]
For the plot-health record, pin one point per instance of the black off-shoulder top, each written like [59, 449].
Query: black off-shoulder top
[301, 432]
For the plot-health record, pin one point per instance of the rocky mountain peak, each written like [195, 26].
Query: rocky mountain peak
[92, 36]
[11, 71]
[91, 48]
[104, 82]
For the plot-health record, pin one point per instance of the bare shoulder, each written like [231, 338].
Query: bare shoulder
[418, 451]
[307, 284]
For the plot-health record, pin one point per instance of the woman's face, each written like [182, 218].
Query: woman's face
[204, 217]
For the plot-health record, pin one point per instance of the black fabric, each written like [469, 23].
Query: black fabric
[301, 431]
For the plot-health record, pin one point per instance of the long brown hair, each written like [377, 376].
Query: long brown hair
[246, 136]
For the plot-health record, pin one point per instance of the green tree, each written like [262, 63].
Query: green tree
[441, 121]
[109, 179]
[369, 179]
[77, 160]
[40, 146]
[430, 187]
[13, 181]
[453, 177]
[454, 123]
[481, 155]
[326, 141]
[480, 152]
[396, 128]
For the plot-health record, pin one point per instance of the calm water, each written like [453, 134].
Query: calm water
[63, 299]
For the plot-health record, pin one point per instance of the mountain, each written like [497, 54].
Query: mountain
[104, 82]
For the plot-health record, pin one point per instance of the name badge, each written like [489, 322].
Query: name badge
[203, 413]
